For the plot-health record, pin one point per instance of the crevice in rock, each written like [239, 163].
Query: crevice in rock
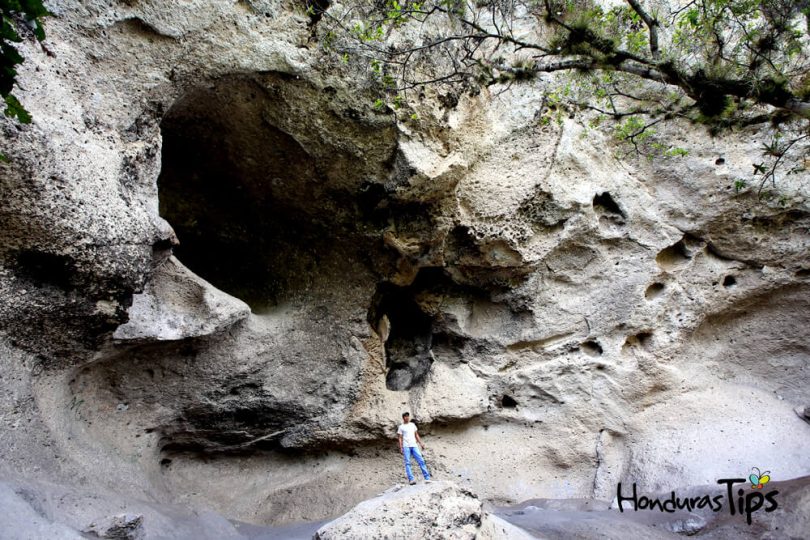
[43, 269]
[654, 291]
[407, 333]
[729, 281]
[412, 325]
[605, 206]
[508, 402]
[591, 348]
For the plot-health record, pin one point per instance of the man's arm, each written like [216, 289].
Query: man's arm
[400, 443]
[419, 440]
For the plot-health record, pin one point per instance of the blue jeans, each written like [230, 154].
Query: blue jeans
[407, 451]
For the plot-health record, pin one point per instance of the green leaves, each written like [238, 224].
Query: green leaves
[368, 32]
[774, 148]
[676, 152]
[725, 64]
[10, 11]
[632, 127]
[15, 109]
[692, 17]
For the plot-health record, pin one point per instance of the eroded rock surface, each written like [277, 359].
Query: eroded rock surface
[433, 510]
[224, 274]
[176, 304]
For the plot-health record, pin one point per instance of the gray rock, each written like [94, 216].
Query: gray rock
[555, 319]
[176, 304]
[120, 527]
[431, 510]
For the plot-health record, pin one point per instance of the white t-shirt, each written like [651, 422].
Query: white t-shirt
[408, 432]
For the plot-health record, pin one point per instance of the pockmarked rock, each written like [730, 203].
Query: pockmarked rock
[224, 273]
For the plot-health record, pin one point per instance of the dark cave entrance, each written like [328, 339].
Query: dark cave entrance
[229, 184]
[413, 327]
[407, 333]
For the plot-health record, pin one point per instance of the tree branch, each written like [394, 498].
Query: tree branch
[652, 26]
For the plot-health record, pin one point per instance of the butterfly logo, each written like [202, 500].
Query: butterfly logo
[759, 479]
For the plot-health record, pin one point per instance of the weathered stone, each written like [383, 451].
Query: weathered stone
[176, 304]
[432, 510]
[555, 319]
[120, 527]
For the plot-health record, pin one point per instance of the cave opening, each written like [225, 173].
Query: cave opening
[407, 332]
[228, 183]
[260, 177]
[413, 326]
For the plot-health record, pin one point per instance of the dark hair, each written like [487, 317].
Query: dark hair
[406, 413]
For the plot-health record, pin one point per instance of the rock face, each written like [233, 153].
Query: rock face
[435, 510]
[122, 527]
[176, 304]
[224, 273]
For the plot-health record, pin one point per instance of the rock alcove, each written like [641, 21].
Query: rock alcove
[258, 180]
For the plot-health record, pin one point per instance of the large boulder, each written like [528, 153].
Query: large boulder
[430, 510]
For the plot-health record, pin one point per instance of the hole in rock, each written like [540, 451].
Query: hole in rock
[654, 291]
[260, 179]
[315, 9]
[508, 402]
[407, 333]
[720, 161]
[591, 348]
[675, 256]
[162, 245]
[603, 203]
[729, 281]
[641, 340]
[408, 319]
[46, 269]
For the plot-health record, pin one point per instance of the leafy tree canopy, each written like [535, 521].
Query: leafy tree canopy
[722, 63]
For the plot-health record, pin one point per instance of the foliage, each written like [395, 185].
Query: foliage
[724, 64]
[13, 13]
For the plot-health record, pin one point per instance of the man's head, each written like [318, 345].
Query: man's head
[406, 417]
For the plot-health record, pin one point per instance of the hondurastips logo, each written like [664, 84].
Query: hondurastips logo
[743, 503]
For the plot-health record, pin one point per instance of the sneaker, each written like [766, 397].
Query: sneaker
[429, 481]
[413, 482]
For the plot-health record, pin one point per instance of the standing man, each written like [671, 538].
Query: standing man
[408, 439]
